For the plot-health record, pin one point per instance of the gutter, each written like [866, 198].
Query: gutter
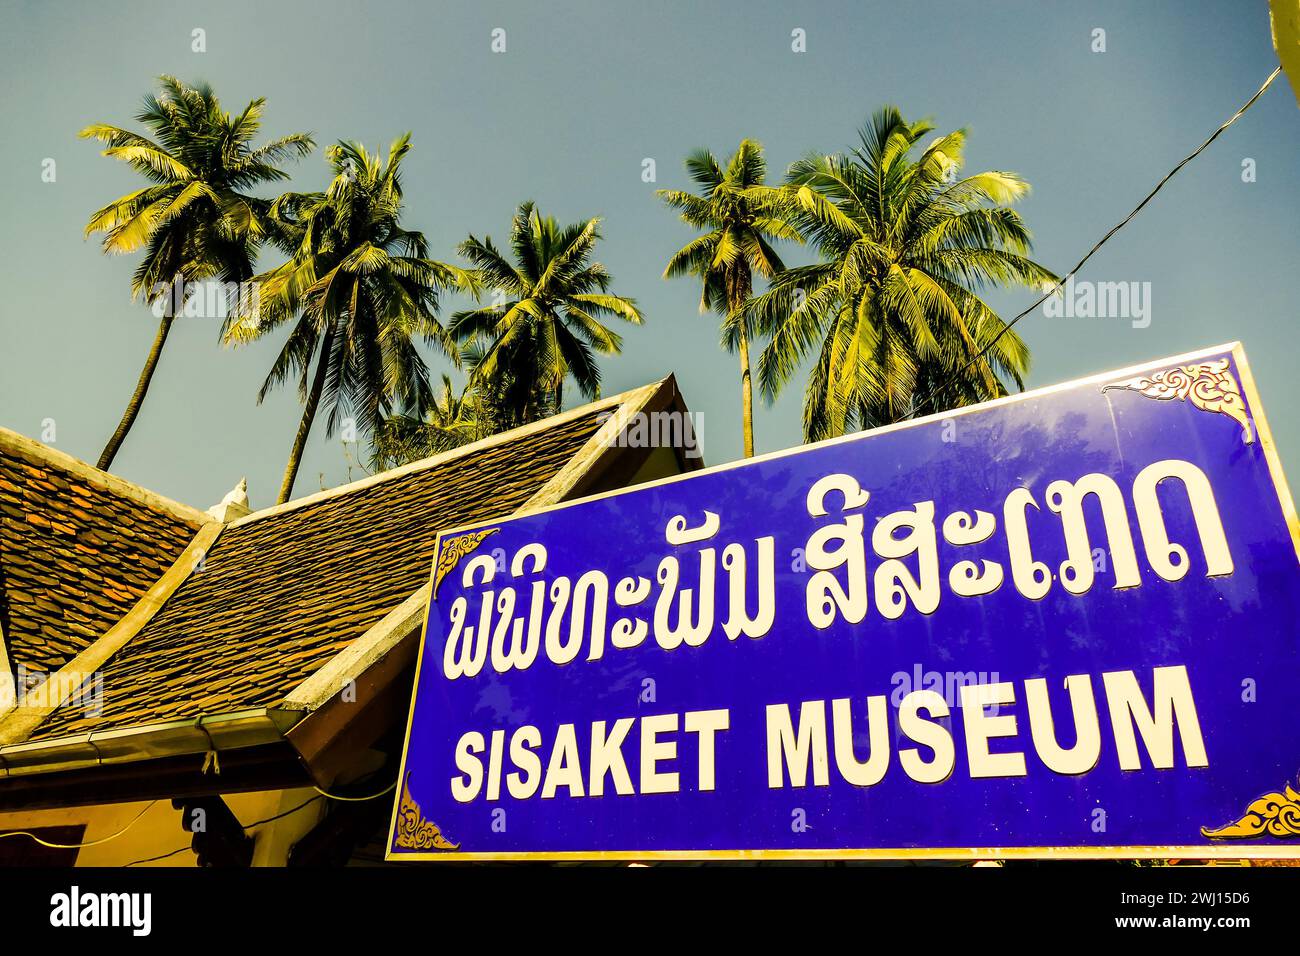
[215, 734]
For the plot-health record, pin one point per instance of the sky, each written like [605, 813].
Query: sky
[583, 94]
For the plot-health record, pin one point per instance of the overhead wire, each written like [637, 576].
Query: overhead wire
[1060, 283]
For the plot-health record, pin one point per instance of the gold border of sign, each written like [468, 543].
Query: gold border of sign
[1275, 814]
[456, 549]
[413, 830]
[1234, 850]
[1208, 386]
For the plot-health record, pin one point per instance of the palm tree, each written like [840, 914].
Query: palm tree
[738, 225]
[195, 219]
[893, 308]
[453, 420]
[360, 291]
[544, 324]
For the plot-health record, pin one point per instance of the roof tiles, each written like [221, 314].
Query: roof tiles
[76, 552]
[278, 595]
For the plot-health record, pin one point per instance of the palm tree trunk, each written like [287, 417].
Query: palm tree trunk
[746, 395]
[304, 426]
[738, 289]
[141, 387]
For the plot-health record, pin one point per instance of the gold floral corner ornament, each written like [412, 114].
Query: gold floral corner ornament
[413, 831]
[1274, 814]
[453, 549]
[1209, 386]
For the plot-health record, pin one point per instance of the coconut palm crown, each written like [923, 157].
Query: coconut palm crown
[359, 293]
[543, 324]
[737, 225]
[195, 219]
[892, 314]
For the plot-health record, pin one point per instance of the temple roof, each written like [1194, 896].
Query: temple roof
[185, 618]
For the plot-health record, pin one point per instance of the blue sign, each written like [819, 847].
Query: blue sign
[1059, 624]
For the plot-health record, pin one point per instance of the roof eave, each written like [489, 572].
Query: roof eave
[217, 734]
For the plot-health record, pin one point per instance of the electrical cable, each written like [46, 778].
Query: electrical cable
[374, 796]
[244, 827]
[1101, 242]
[257, 823]
[78, 846]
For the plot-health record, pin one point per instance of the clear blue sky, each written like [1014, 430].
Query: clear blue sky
[585, 92]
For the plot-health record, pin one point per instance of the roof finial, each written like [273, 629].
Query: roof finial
[234, 505]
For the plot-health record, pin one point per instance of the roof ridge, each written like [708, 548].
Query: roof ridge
[24, 446]
[433, 461]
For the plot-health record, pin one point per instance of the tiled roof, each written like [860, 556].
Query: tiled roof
[78, 547]
[280, 593]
